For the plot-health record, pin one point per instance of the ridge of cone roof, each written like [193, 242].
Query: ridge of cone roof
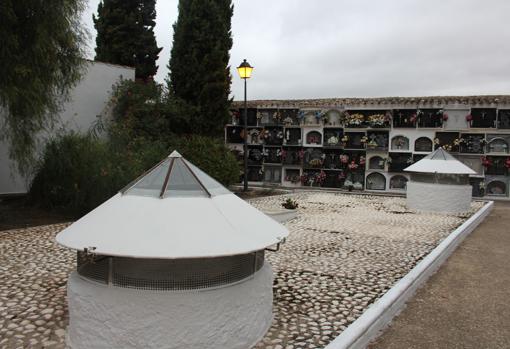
[175, 210]
[175, 154]
[440, 161]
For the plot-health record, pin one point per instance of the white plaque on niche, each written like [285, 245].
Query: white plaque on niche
[456, 119]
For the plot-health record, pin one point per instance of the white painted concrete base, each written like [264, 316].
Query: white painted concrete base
[369, 325]
[438, 197]
[233, 317]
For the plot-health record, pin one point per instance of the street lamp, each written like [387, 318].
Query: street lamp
[244, 70]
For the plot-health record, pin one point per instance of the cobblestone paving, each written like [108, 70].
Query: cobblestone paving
[343, 252]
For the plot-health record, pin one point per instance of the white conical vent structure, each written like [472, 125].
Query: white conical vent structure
[173, 211]
[174, 177]
[440, 161]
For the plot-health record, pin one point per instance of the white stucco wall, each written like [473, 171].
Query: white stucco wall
[438, 197]
[233, 317]
[88, 100]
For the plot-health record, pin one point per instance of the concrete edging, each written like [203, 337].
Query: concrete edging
[368, 326]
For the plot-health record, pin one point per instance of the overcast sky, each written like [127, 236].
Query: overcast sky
[359, 48]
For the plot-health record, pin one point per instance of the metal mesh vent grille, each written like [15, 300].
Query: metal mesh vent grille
[163, 274]
[93, 267]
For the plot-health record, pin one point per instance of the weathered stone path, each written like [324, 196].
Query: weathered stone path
[343, 252]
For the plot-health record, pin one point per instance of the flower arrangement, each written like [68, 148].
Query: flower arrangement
[353, 165]
[469, 118]
[287, 121]
[301, 115]
[447, 147]
[364, 139]
[377, 120]
[279, 135]
[301, 154]
[345, 139]
[444, 115]
[304, 179]
[458, 141]
[354, 119]
[290, 204]
[283, 154]
[316, 162]
[293, 179]
[333, 140]
[320, 177]
[486, 162]
[413, 118]
[344, 159]
[259, 115]
[277, 115]
[507, 162]
[372, 144]
[362, 161]
[436, 141]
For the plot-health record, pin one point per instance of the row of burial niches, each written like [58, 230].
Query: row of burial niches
[397, 118]
[332, 137]
[451, 141]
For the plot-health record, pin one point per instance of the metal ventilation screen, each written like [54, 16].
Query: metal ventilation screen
[168, 274]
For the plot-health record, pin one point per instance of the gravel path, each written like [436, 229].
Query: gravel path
[343, 252]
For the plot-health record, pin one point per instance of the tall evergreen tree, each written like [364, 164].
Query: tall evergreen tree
[41, 54]
[125, 35]
[199, 72]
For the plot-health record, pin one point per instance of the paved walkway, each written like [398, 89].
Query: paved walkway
[466, 304]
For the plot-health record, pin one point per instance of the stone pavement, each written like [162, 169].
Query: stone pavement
[466, 304]
[343, 253]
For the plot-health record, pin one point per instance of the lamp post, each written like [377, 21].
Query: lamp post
[244, 70]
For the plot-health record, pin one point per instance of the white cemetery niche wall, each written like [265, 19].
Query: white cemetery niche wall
[375, 181]
[398, 182]
[292, 136]
[412, 135]
[496, 186]
[376, 161]
[333, 117]
[400, 143]
[498, 143]
[456, 119]
[473, 162]
[504, 119]
[313, 136]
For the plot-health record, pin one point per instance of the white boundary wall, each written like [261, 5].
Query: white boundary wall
[234, 317]
[369, 325]
[88, 100]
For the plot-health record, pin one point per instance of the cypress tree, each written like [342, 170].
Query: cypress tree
[199, 72]
[125, 35]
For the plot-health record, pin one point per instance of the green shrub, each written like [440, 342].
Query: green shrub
[74, 173]
[210, 155]
[77, 173]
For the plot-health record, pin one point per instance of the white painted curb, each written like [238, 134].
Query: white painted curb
[368, 326]
[281, 216]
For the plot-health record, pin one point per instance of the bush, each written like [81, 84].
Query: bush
[210, 155]
[77, 173]
[74, 173]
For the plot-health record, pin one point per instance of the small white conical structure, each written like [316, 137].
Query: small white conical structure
[440, 161]
[175, 210]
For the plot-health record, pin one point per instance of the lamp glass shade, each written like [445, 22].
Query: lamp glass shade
[244, 70]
